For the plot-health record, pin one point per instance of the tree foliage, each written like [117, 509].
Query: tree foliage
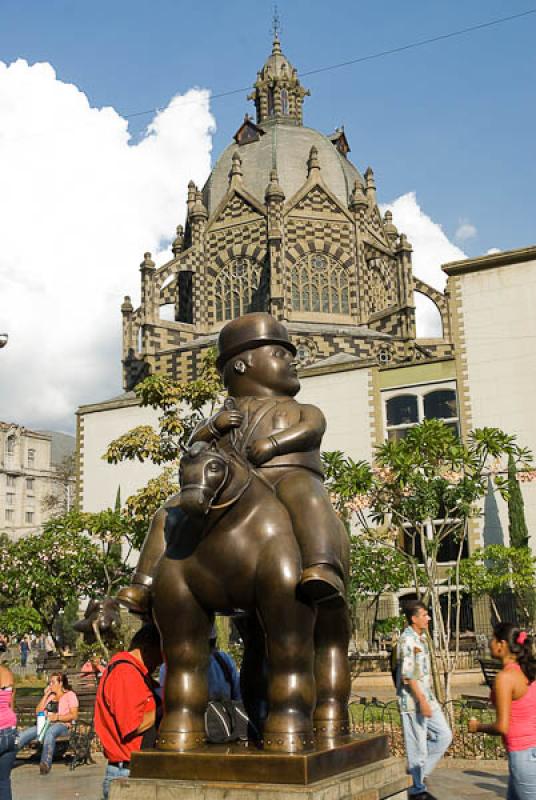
[20, 620]
[517, 524]
[184, 405]
[75, 556]
[420, 494]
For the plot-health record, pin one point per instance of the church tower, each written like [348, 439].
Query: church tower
[285, 223]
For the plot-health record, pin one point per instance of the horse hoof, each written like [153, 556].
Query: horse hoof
[180, 741]
[278, 742]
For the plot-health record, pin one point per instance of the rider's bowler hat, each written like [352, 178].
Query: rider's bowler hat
[249, 331]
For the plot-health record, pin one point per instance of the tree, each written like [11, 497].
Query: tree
[73, 557]
[183, 404]
[59, 500]
[374, 569]
[517, 525]
[417, 498]
[20, 620]
[497, 569]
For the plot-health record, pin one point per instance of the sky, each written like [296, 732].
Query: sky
[108, 109]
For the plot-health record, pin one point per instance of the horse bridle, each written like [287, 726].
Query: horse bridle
[203, 487]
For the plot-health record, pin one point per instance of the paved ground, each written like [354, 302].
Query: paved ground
[380, 686]
[474, 780]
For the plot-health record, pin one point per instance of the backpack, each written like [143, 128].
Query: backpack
[227, 720]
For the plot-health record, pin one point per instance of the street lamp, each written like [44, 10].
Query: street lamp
[3, 339]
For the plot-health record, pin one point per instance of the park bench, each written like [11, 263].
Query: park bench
[82, 733]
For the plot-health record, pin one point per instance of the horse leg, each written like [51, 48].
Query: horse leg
[332, 672]
[185, 628]
[288, 624]
[253, 672]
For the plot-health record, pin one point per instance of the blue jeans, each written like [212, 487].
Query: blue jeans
[8, 754]
[49, 743]
[426, 740]
[111, 774]
[522, 767]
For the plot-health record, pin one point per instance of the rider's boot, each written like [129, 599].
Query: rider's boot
[137, 596]
[322, 584]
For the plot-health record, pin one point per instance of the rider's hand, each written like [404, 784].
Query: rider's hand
[227, 419]
[260, 451]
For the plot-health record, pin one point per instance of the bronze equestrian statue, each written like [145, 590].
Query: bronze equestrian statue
[253, 530]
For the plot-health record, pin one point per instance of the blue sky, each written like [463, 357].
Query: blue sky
[448, 129]
[453, 121]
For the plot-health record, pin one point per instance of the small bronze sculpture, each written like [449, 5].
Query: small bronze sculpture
[253, 530]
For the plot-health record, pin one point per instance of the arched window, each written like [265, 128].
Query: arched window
[10, 445]
[380, 291]
[321, 284]
[284, 102]
[271, 107]
[240, 287]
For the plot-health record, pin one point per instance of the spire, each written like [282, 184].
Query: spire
[391, 231]
[312, 162]
[274, 192]
[278, 94]
[358, 199]
[236, 168]
[370, 186]
[178, 242]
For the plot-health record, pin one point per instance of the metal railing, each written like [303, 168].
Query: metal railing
[378, 717]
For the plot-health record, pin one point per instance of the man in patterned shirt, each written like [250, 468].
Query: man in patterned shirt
[426, 732]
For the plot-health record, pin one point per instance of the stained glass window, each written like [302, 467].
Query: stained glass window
[321, 284]
[242, 286]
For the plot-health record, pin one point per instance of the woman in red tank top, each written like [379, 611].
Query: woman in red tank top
[514, 697]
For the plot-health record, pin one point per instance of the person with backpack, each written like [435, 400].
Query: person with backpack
[126, 704]
[426, 731]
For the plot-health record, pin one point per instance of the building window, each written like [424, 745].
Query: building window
[31, 457]
[405, 408]
[10, 445]
[10, 499]
[320, 284]
[10, 481]
[29, 517]
[242, 286]
[30, 483]
[284, 102]
[9, 515]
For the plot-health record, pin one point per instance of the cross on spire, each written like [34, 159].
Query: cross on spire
[276, 23]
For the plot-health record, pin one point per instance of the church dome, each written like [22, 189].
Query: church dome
[278, 140]
[286, 147]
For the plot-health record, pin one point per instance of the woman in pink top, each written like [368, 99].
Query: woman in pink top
[514, 697]
[8, 723]
[60, 705]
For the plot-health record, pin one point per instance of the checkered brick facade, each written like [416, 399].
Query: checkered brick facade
[252, 253]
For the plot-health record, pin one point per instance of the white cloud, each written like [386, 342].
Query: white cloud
[492, 251]
[465, 231]
[431, 248]
[78, 208]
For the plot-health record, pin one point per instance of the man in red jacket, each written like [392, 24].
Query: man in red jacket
[125, 708]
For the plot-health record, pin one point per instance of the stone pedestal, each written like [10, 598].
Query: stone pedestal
[311, 776]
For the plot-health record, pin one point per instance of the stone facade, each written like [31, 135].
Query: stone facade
[26, 477]
[285, 223]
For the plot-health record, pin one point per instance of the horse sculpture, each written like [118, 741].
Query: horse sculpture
[231, 548]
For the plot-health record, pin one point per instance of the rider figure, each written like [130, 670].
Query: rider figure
[281, 438]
